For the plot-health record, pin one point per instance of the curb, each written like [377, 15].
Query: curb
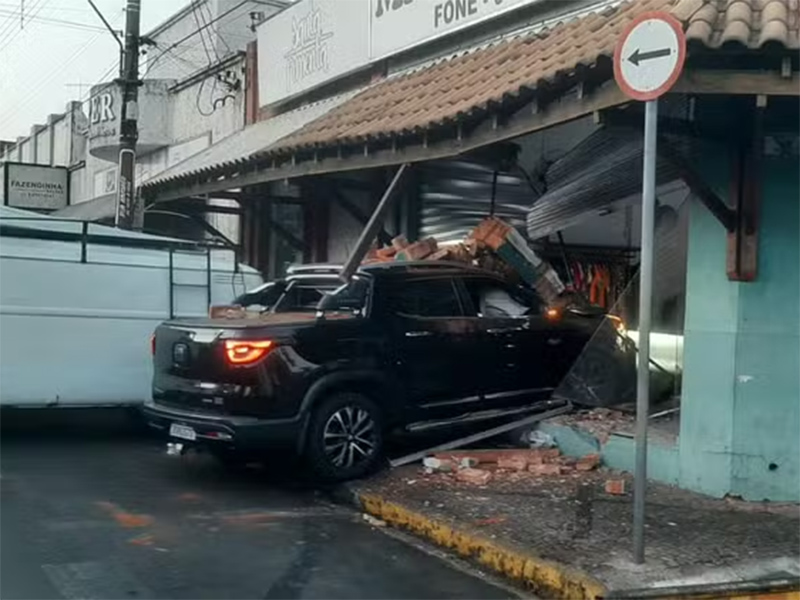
[542, 577]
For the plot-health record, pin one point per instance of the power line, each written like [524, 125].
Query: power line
[195, 32]
[58, 22]
[39, 7]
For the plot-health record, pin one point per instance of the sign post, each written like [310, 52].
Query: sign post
[648, 59]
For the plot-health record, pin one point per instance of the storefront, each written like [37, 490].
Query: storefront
[529, 125]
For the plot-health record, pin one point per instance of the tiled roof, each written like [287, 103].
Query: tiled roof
[455, 87]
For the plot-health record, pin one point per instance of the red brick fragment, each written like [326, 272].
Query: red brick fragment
[474, 476]
[616, 487]
[512, 463]
[588, 462]
[545, 469]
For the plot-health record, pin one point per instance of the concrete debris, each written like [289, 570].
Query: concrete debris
[441, 465]
[540, 439]
[468, 462]
[373, 521]
[600, 422]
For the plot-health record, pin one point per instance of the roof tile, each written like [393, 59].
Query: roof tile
[459, 85]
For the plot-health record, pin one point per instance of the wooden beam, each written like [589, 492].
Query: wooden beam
[701, 189]
[737, 83]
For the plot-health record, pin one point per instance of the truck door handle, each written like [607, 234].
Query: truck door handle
[413, 334]
[554, 341]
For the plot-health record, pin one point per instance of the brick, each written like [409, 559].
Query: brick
[588, 462]
[616, 487]
[440, 254]
[468, 462]
[399, 242]
[385, 253]
[514, 463]
[418, 250]
[474, 476]
[545, 469]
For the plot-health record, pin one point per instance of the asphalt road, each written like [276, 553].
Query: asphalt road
[89, 509]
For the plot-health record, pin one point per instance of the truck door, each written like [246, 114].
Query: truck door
[433, 344]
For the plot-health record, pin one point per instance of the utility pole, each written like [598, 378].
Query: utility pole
[130, 213]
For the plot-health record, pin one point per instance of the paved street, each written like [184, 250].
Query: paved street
[91, 510]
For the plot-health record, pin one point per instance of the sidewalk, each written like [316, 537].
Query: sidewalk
[564, 536]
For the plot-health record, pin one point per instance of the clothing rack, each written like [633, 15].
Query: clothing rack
[600, 273]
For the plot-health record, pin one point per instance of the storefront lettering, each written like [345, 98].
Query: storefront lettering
[101, 108]
[39, 186]
[384, 6]
[309, 54]
[452, 11]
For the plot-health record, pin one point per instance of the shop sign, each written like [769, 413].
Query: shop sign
[316, 41]
[35, 187]
[104, 112]
[309, 43]
[398, 25]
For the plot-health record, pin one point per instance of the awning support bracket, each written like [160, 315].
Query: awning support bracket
[709, 198]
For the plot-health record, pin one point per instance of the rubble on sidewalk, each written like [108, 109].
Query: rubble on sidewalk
[599, 422]
[480, 467]
[576, 525]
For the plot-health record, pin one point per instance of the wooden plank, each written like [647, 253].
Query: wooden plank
[737, 83]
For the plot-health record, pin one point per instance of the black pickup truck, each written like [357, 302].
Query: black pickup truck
[401, 344]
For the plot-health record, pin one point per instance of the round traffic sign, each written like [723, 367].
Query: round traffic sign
[649, 55]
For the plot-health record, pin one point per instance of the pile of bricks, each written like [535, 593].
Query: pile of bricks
[493, 245]
[479, 467]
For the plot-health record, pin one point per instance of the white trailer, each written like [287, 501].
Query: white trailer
[79, 301]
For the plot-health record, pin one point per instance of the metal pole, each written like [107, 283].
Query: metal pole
[129, 211]
[645, 307]
[374, 225]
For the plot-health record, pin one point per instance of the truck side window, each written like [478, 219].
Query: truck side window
[424, 298]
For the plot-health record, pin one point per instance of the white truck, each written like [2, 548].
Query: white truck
[79, 302]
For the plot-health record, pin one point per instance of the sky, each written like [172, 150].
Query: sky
[62, 49]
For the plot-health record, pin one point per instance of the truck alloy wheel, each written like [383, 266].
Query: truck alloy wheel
[345, 437]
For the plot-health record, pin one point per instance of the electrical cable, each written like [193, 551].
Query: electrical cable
[31, 15]
[216, 33]
[200, 30]
[56, 22]
[37, 88]
[194, 33]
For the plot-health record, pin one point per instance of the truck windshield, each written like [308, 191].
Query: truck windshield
[350, 297]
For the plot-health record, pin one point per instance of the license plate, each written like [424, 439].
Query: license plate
[182, 431]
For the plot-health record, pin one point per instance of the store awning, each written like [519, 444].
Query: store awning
[96, 209]
[503, 90]
[240, 145]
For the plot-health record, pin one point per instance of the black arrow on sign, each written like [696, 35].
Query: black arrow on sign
[638, 57]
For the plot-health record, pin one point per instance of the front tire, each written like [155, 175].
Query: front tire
[345, 437]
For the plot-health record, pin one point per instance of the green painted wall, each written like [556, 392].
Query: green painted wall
[741, 386]
[766, 419]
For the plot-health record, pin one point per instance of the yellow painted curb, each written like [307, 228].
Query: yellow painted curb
[542, 577]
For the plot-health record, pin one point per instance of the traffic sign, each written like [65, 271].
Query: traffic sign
[649, 55]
